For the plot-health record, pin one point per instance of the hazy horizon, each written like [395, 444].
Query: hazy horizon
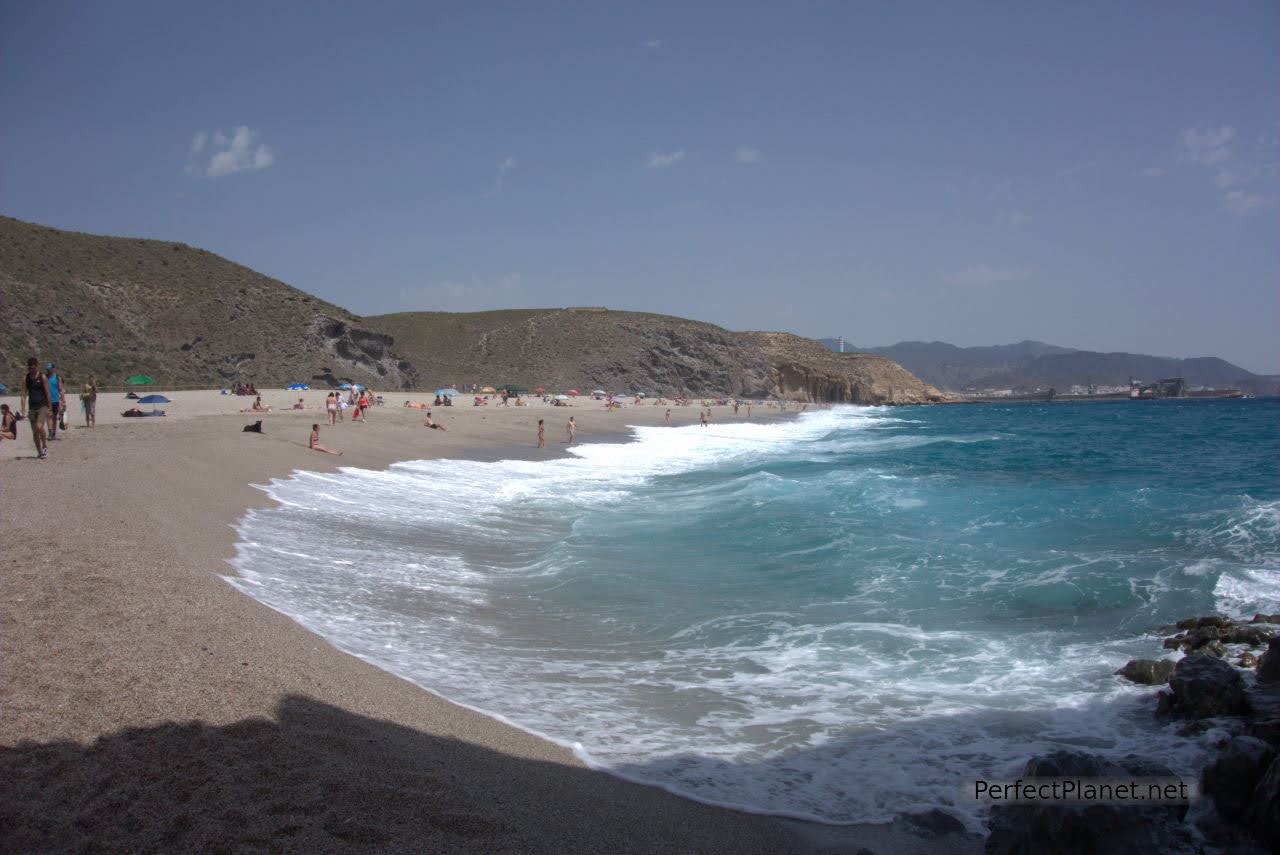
[1095, 176]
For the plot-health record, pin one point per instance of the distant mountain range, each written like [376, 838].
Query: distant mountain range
[1032, 364]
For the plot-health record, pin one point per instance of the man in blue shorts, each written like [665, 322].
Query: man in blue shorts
[55, 398]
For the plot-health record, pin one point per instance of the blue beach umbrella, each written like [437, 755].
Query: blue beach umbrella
[153, 400]
[298, 386]
[345, 386]
[447, 392]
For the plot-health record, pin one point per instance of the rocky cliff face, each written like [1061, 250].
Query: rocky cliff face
[803, 369]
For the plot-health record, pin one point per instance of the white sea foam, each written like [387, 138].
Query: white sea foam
[500, 592]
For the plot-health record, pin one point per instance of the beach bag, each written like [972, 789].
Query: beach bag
[62, 420]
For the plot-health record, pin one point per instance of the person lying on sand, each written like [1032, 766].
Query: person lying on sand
[434, 425]
[314, 442]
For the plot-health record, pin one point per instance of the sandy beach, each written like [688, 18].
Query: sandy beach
[149, 706]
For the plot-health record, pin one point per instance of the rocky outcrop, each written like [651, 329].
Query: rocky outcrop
[1269, 663]
[1232, 777]
[1089, 827]
[801, 369]
[1203, 687]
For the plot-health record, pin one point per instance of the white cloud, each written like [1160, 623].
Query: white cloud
[652, 44]
[1207, 146]
[1236, 178]
[657, 160]
[240, 152]
[1241, 202]
[984, 275]
[747, 155]
[506, 165]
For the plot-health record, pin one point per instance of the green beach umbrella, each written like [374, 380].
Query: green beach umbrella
[139, 380]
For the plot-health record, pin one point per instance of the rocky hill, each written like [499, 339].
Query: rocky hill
[120, 306]
[114, 307]
[1031, 364]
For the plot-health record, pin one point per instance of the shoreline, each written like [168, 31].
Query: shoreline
[118, 633]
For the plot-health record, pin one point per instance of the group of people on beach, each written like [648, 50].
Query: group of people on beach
[42, 402]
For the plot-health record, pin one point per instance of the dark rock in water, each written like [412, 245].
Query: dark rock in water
[1269, 664]
[1085, 827]
[1201, 636]
[1231, 778]
[1147, 672]
[1254, 636]
[1173, 643]
[1263, 813]
[1187, 623]
[1204, 687]
[1213, 648]
[1164, 704]
[1268, 731]
[1261, 618]
[935, 822]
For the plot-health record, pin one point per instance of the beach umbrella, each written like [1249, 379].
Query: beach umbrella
[3, 388]
[574, 392]
[296, 386]
[562, 397]
[539, 389]
[345, 386]
[488, 390]
[448, 393]
[357, 387]
[139, 380]
[153, 400]
[598, 392]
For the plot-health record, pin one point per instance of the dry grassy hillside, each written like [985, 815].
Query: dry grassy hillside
[119, 306]
[578, 348]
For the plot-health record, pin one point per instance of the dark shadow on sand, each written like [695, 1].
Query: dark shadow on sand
[320, 779]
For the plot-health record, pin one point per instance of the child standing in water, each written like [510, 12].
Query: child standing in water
[542, 434]
[668, 418]
[573, 430]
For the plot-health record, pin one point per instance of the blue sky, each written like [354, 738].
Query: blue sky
[1098, 175]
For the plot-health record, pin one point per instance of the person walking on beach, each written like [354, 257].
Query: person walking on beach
[89, 402]
[55, 398]
[34, 401]
[542, 433]
[573, 430]
[331, 407]
[668, 418]
[314, 442]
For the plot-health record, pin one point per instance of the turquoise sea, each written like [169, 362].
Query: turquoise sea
[842, 616]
